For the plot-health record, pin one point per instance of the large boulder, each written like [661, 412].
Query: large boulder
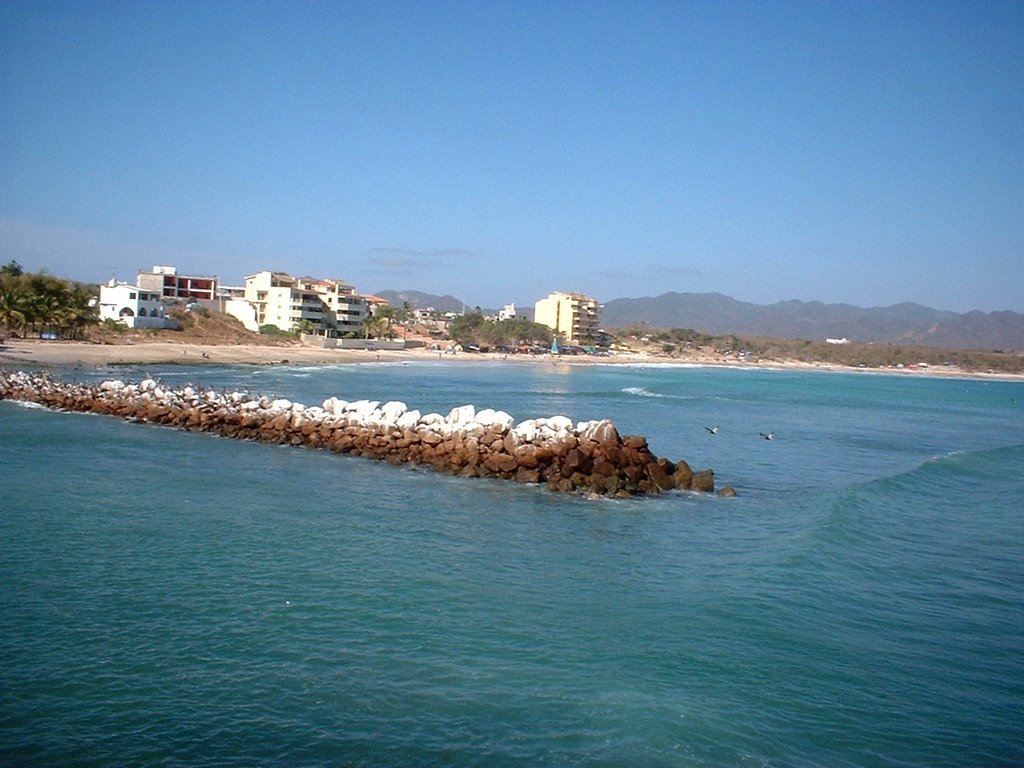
[704, 481]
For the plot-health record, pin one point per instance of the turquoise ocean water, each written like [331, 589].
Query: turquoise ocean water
[180, 599]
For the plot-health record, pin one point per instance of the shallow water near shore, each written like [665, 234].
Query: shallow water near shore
[172, 597]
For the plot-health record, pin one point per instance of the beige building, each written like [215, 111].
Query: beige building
[331, 307]
[575, 316]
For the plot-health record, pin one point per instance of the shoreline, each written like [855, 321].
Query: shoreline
[22, 353]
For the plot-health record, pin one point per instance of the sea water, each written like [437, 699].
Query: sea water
[176, 598]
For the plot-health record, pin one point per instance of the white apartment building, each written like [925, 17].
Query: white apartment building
[133, 306]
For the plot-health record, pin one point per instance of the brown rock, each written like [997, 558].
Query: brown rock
[636, 442]
[704, 481]
[605, 434]
[526, 455]
[660, 477]
[524, 475]
[430, 438]
[683, 476]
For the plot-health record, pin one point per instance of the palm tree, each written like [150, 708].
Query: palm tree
[375, 326]
[79, 313]
[13, 313]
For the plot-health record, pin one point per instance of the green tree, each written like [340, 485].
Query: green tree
[11, 269]
[79, 313]
[405, 314]
[13, 306]
[375, 327]
[474, 328]
[466, 327]
[40, 302]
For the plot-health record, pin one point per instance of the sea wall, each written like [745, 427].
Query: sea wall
[589, 457]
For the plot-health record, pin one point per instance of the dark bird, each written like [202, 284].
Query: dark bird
[712, 430]
[769, 436]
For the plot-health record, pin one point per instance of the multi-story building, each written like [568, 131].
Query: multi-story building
[573, 315]
[347, 310]
[133, 306]
[327, 307]
[166, 282]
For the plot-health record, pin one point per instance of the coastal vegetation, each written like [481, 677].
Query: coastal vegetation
[474, 328]
[38, 303]
[682, 343]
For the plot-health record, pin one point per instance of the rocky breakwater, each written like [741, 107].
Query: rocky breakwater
[589, 457]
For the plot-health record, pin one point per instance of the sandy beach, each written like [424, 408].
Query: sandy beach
[35, 353]
[16, 353]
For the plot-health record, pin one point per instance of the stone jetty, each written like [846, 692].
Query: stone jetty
[585, 458]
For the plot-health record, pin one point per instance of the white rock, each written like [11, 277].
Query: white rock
[560, 423]
[502, 419]
[362, 406]
[527, 431]
[408, 420]
[392, 410]
[464, 414]
[491, 418]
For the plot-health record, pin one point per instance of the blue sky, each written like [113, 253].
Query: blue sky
[867, 153]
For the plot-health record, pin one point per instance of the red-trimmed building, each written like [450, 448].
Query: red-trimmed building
[170, 285]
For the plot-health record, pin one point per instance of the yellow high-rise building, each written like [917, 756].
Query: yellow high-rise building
[575, 316]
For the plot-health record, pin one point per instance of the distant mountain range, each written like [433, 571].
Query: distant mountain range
[905, 323]
[419, 300]
[716, 313]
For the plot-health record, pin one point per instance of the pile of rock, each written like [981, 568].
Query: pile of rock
[589, 457]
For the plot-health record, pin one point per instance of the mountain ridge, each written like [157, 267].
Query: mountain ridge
[903, 323]
[716, 313]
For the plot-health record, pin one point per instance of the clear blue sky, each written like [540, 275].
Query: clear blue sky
[859, 152]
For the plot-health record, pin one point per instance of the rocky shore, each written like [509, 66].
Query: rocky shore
[586, 458]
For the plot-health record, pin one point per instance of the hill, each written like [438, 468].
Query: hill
[905, 323]
[420, 300]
